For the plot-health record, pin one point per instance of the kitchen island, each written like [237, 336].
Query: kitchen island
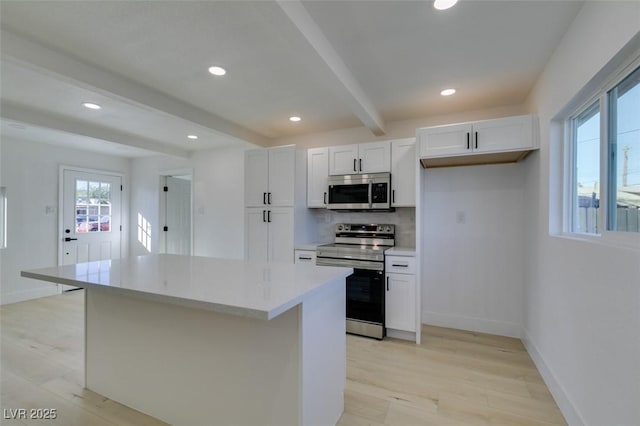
[193, 340]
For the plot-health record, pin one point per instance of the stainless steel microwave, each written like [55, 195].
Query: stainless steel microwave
[360, 192]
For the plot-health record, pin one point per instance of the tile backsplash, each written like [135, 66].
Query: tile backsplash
[403, 218]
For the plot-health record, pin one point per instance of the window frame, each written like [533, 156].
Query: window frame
[600, 96]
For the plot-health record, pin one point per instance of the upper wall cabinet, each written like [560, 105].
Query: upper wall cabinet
[403, 172]
[269, 177]
[373, 157]
[317, 174]
[502, 140]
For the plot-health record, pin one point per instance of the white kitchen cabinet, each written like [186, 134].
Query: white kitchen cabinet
[481, 142]
[269, 234]
[372, 157]
[305, 256]
[403, 172]
[269, 177]
[317, 174]
[400, 296]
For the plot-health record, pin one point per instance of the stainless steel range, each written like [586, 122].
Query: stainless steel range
[361, 246]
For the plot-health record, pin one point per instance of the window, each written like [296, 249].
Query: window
[93, 206]
[586, 171]
[604, 161]
[624, 154]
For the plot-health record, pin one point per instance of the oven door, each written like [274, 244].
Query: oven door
[365, 300]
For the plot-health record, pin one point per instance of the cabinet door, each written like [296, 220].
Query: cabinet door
[343, 160]
[256, 234]
[403, 172]
[504, 134]
[282, 175]
[444, 141]
[256, 171]
[280, 246]
[317, 173]
[400, 306]
[374, 157]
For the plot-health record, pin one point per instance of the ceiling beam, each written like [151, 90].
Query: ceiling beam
[32, 117]
[357, 99]
[40, 58]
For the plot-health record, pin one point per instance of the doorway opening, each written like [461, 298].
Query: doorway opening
[176, 217]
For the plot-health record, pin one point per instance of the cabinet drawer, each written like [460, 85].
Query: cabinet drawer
[305, 256]
[400, 264]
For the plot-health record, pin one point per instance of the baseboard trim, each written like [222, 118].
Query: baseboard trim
[501, 328]
[568, 409]
[34, 293]
[401, 334]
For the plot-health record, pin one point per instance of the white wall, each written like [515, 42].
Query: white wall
[218, 180]
[472, 248]
[582, 299]
[30, 172]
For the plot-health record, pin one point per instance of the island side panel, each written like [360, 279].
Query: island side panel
[193, 367]
[324, 354]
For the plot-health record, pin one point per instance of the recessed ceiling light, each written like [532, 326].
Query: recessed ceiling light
[217, 70]
[192, 137]
[91, 105]
[448, 92]
[294, 118]
[444, 4]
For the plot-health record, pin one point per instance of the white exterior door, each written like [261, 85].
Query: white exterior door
[91, 217]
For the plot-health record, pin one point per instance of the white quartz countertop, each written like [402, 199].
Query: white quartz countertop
[237, 287]
[400, 251]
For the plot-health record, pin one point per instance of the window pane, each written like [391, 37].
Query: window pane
[624, 155]
[586, 184]
[93, 206]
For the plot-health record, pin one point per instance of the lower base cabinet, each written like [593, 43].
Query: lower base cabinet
[400, 297]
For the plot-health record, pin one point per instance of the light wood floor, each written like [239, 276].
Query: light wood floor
[453, 378]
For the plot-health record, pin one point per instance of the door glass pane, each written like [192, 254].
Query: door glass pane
[624, 155]
[586, 182]
[93, 206]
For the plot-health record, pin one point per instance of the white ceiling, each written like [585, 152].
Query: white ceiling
[337, 64]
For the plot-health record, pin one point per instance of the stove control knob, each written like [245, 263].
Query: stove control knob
[380, 228]
[339, 227]
[388, 229]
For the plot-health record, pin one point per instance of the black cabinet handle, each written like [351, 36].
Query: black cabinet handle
[269, 216]
[361, 164]
[476, 140]
[268, 198]
[304, 258]
[354, 165]
[264, 198]
[399, 266]
[67, 239]
[387, 283]
[468, 140]
[393, 196]
[324, 198]
[264, 212]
